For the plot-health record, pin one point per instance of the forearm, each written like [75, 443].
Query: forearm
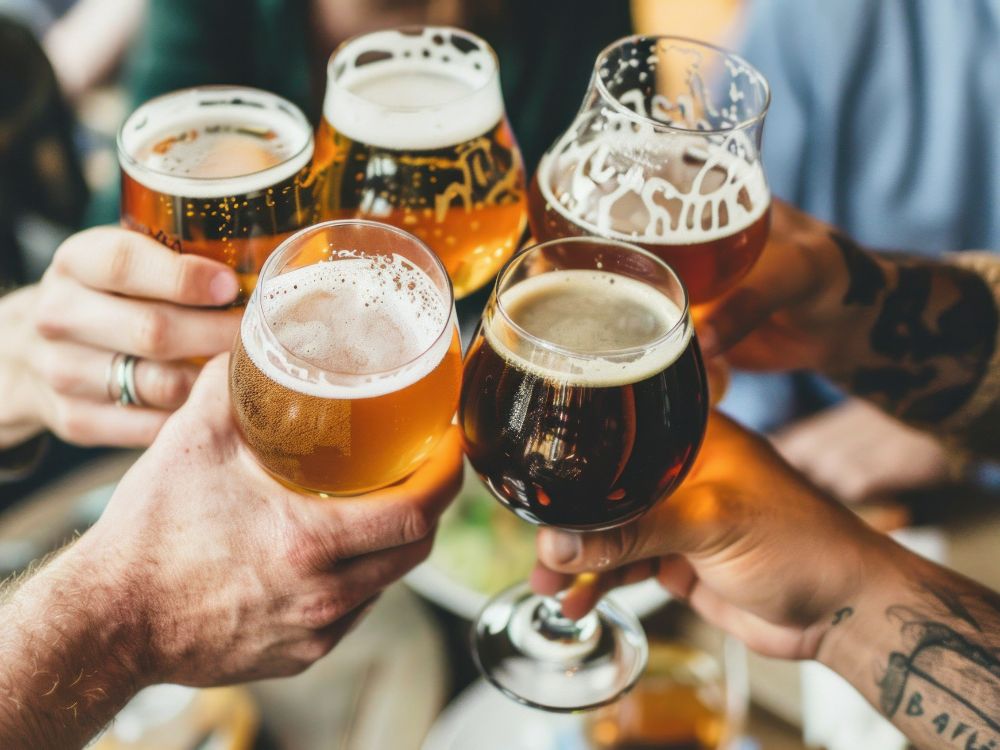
[921, 338]
[922, 644]
[69, 655]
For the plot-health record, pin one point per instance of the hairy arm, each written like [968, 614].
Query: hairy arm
[68, 651]
[922, 644]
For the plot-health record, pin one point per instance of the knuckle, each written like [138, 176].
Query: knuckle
[315, 649]
[320, 610]
[54, 371]
[48, 318]
[186, 275]
[417, 522]
[151, 332]
[69, 424]
[120, 265]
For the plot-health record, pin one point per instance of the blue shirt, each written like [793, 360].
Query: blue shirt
[885, 116]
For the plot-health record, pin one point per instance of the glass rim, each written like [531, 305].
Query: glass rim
[681, 323]
[125, 157]
[744, 124]
[273, 259]
[490, 78]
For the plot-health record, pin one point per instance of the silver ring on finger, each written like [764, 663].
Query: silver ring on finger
[125, 375]
[111, 377]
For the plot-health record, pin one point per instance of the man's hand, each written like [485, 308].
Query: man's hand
[746, 540]
[203, 570]
[914, 336]
[110, 290]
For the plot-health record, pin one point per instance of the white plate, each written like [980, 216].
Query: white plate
[482, 718]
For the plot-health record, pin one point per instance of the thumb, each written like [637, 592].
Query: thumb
[209, 398]
[692, 520]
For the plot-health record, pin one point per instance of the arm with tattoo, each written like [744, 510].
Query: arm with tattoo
[917, 337]
[923, 645]
[929, 342]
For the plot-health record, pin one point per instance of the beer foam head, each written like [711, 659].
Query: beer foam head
[626, 185]
[214, 142]
[353, 327]
[413, 89]
[588, 328]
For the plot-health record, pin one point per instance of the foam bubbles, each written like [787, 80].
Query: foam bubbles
[413, 91]
[208, 143]
[622, 186]
[589, 316]
[353, 327]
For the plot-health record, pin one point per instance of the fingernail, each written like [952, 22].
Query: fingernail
[224, 287]
[564, 548]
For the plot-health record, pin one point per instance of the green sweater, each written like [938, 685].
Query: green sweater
[546, 48]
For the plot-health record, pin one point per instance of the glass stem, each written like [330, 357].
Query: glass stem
[542, 631]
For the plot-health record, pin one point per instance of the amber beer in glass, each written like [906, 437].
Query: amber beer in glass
[347, 369]
[665, 154]
[583, 405]
[414, 134]
[217, 171]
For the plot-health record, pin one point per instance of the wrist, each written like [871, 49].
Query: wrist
[114, 605]
[857, 628]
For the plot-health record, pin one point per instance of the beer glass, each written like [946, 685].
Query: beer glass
[219, 171]
[664, 153]
[347, 369]
[583, 404]
[414, 134]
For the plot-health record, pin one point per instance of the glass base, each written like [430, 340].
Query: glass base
[524, 646]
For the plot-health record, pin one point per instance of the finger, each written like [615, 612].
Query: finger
[735, 316]
[156, 330]
[397, 515]
[84, 372]
[209, 398]
[677, 576]
[349, 584]
[125, 262]
[548, 582]
[88, 423]
[762, 636]
[580, 594]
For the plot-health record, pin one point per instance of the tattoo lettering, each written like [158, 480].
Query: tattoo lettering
[842, 614]
[942, 676]
[866, 278]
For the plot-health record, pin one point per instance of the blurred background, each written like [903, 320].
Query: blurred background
[71, 71]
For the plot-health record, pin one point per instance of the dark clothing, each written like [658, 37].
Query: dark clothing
[546, 49]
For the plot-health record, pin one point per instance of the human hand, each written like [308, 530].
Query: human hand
[230, 576]
[789, 312]
[111, 290]
[864, 458]
[746, 540]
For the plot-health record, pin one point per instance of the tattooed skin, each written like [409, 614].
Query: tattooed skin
[944, 681]
[933, 337]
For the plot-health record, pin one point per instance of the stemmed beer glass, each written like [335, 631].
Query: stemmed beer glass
[584, 403]
[664, 153]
